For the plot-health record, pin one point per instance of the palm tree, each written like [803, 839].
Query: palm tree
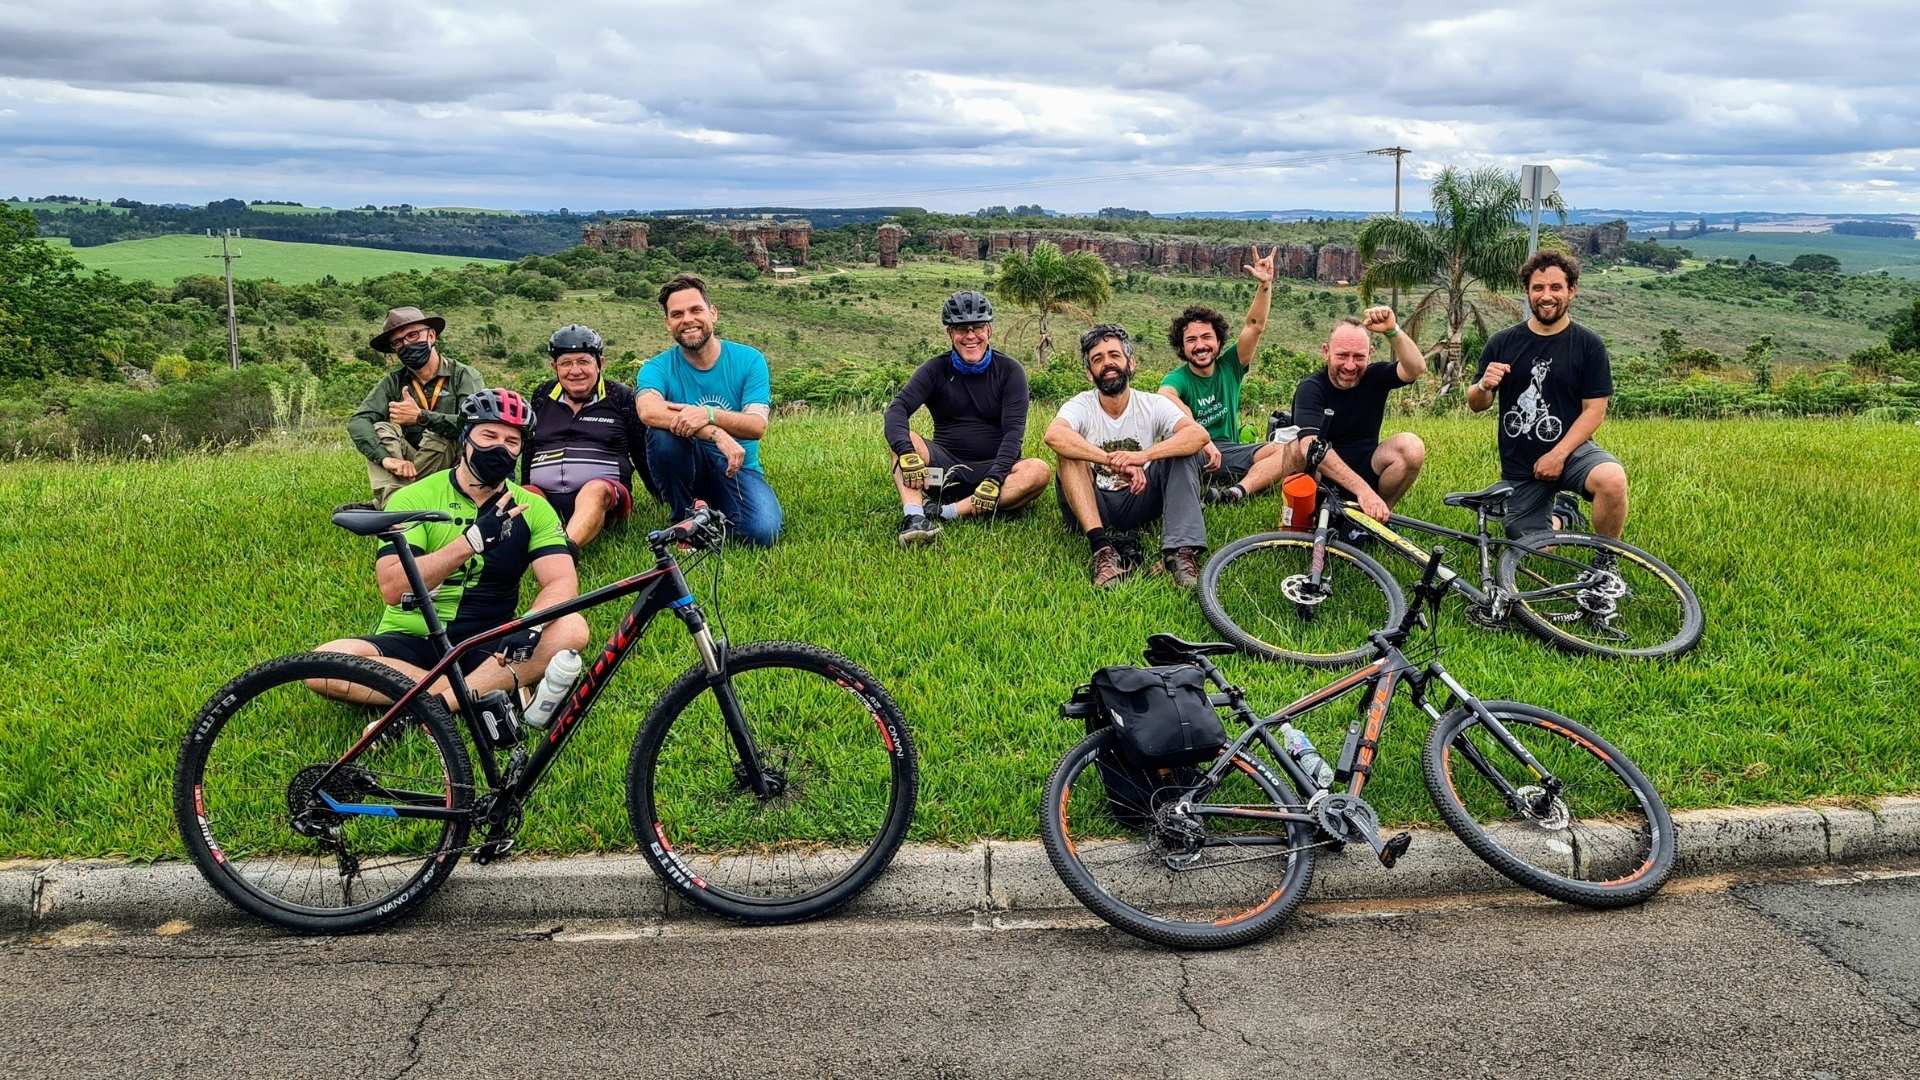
[1466, 257]
[1048, 283]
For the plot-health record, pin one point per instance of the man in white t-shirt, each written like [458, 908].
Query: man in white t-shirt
[1126, 458]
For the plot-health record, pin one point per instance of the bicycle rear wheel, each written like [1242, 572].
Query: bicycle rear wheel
[257, 821]
[1205, 882]
[1257, 594]
[1603, 840]
[839, 752]
[1598, 596]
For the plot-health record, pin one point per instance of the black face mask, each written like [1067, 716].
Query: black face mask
[492, 465]
[414, 354]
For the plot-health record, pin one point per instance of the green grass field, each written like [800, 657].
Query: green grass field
[169, 258]
[142, 586]
[62, 207]
[1857, 254]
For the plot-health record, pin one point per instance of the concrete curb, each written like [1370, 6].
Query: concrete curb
[994, 876]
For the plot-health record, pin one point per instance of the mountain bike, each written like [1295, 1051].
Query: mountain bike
[768, 783]
[1224, 851]
[1309, 597]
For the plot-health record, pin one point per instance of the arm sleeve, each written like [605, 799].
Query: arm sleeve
[1596, 374]
[757, 388]
[547, 537]
[1166, 416]
[372, 410]
[1014, 400]
[901, 409]
[1071, 412]
[652, 376]
[1309, 406]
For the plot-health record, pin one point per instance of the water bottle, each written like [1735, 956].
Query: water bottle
[562, 670]
[1301, 749]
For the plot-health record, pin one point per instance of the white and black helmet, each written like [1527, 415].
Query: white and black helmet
[575, 338]
[966, 306]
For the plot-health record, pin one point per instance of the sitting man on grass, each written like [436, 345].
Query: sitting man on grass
[1346, 402]
[1128, 457]
[588, 442]
[707, 402]
[407, 425]
[978, 401]
[1207, 388]
[472, 565]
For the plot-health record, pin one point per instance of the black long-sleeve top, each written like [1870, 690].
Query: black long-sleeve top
[975, 417]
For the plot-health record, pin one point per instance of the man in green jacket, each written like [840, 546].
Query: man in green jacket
[410, 421]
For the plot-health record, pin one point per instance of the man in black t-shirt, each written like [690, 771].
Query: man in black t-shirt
[589, 442]
[1345, 404]
[978, 400]
[1552, 380]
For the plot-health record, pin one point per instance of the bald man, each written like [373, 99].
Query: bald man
[1346, 402]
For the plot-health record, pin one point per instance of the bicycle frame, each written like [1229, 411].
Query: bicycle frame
[660, 589]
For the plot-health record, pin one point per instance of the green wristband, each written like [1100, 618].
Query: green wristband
[710, 416]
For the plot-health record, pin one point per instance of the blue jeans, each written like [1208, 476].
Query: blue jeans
[689, 469]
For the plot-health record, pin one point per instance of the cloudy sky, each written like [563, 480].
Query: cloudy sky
[1707, 105]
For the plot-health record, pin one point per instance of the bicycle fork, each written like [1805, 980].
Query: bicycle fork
[1533, 806]
[749, 768]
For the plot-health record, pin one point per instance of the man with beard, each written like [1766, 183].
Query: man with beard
[978, 400]
[1346, 402]
[406, 425]
[590, 440]
[707, 401]
[1126, 458]
[1552, 380]
[472, 565]
[1207, 388]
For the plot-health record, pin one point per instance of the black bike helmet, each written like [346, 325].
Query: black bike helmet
[575, 338]
[966, 306]
[497, 405]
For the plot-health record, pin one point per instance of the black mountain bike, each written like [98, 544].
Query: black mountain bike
[1309, 598]
[1224, 854]
[768, 783]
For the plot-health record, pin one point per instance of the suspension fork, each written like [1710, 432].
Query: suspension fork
[1550, 784]
[750, 768]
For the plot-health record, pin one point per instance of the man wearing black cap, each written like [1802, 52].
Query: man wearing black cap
[589, 441]
[978, 401]
[410, 421]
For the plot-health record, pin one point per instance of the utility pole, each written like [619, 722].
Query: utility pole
[1398, 152]
[227, 257]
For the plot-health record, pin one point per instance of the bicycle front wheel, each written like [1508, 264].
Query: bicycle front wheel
[1591, 831]
[1193, 881]
[1598, 596]
[837, 754]
[259, 821]
[1258, 593]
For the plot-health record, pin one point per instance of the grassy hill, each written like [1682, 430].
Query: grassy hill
[194, 568]
[169, 258]
[1857, 254]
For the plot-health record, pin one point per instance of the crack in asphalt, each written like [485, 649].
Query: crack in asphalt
[1864, 984]
[420, 1027]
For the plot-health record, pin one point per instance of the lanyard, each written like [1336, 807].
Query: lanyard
[420, 393]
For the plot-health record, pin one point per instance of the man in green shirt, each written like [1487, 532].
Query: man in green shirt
[407, 424]
[1207, 388]
[472, 565]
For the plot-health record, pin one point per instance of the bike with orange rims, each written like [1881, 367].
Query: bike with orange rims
[1221, 854]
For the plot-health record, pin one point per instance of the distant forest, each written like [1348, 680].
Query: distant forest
[1874, 228]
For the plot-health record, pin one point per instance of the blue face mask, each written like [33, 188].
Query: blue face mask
[965, 368]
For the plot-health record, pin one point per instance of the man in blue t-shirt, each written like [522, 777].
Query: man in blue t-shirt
[705, 402]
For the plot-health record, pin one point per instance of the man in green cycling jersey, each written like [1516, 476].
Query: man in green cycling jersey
[472, 565]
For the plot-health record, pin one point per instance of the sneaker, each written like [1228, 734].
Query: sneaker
[1215, 496]
[1184, 564]
[1566, 507]
[917, 529]
[343, 507]
[1108, 567]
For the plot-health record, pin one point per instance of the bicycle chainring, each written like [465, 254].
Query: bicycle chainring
[1347, 818]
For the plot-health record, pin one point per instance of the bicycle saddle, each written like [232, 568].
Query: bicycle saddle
[369, 522]
[1166, 646]
[1488, 497]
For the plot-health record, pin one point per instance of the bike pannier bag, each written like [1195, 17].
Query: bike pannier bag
[1161, 713]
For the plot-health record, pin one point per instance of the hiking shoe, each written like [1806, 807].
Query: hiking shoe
[1184, 564]
[343, 507]
[1566, 507]
[1108, 567]
[1215, 496]
[917, 529]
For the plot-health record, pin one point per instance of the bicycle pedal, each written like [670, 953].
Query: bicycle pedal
[492, 851]
[1395, 847]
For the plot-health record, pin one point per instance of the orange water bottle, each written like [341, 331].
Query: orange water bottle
[1298, 495]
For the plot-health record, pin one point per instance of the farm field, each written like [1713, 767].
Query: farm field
[1857, 254]
[169, 258]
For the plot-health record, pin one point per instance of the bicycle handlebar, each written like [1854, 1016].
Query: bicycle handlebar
[699, 526]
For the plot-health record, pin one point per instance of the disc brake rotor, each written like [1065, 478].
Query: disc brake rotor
[1301, 590]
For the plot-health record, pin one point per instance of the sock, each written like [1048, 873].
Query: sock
[1234, 493]
[1096, 538]
[950, 511]
[911, 507]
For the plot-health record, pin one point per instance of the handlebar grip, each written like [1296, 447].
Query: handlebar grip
[1433, 567]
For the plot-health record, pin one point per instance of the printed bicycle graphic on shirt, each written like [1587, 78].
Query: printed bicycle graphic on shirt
[1530, 410]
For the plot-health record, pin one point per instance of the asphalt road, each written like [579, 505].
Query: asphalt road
[1797, 979]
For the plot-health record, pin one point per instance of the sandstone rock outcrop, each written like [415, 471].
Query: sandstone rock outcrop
[887, 239]
[757, 238]
[625, 234]
[1602, 239]
[1301, 261]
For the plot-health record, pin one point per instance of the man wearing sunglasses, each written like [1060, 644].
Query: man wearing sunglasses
[978, 400]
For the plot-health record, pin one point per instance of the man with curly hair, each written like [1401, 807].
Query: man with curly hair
[1207, 388]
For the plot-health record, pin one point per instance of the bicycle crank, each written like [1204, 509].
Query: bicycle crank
[1348, 818]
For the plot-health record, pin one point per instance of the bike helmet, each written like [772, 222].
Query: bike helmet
[497, 405]
[575, 338]
[966, 306]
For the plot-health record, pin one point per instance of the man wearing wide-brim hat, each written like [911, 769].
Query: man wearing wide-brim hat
[409, 424]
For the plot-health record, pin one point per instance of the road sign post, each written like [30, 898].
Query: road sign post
[1536, 182]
